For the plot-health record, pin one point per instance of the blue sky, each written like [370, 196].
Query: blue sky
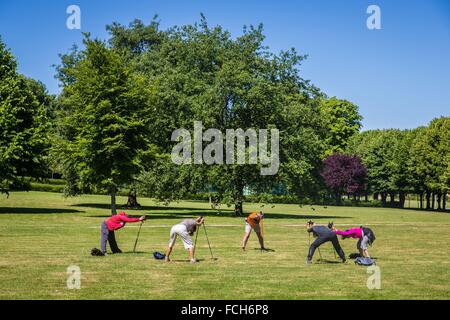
[399, 76]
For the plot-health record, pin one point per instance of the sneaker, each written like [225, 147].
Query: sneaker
[194, 260]
[308, 261]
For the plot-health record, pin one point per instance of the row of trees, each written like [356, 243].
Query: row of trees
[401, 162]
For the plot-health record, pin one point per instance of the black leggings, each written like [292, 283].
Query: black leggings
[321, 240]
[113, 243]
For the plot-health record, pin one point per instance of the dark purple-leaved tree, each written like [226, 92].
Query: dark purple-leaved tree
[344, 174]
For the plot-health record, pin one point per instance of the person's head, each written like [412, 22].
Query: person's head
[260, 215]
[310, 224]
[331, 225]
[200, 219]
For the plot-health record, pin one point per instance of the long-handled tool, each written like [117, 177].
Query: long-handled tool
[320, 254]
[207, 239]
[137, 237]
[195, 243]
[261, 224]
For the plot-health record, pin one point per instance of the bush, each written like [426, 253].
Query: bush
[35, 186]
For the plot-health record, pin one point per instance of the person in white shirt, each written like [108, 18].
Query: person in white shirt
[185, 230]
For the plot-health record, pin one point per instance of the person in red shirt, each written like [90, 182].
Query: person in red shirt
[112, 224]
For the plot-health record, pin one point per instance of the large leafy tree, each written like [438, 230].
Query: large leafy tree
[399, 146]
[23, 124]
[431, 151]
[342, 120]
[103, 125]
[201, 73]
[344, 174]
[371, 147]
[414, 163]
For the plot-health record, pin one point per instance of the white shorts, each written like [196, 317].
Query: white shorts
[248, 227]
[180, 230]
[363, 243]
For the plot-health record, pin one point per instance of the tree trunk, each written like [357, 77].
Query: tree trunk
[366, 197]
[392, 199]
[338, 199]
[239, 186]
[113, 202]
[402, 198]
[238, 208]
[375, 196]
[427, 197]
[439, 196]
[132, 200]
[383, 198]
[444, 201]
[433, 198]
[421, 200]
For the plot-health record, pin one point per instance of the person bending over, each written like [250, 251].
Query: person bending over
[365, 235]
[322, 234]
[112, 224]
[185, 230]
[253, 221]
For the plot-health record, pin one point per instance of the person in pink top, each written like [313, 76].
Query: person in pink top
[112, 224]
[365, 235]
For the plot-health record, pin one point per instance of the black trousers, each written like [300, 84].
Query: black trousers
[321, 240]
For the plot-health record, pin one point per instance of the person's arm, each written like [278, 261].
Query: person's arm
[344, 234]
[126, 218]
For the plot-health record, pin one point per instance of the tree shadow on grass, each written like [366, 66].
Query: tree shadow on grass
[301, 216]
[325, 261]
[20, 210]
[265, 250]
[142, 208]
[183, 212]
[189, 261]
[192, 214]
[131, 252]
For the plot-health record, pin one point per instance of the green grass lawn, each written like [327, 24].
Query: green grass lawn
[41, 234]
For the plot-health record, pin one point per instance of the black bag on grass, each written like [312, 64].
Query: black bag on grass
[96, 252]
